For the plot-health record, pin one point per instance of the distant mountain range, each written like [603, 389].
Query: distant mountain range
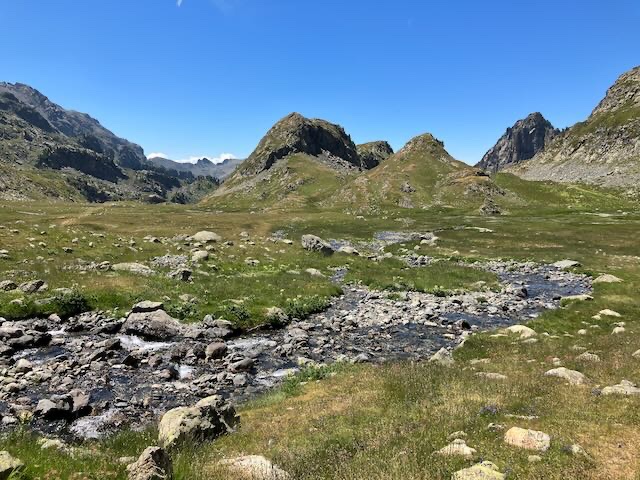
[203, 167]
[47, 151]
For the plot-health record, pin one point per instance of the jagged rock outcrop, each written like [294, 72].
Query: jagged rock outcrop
[373, 153]
[297, 134]
[519, 143]
[604, 149]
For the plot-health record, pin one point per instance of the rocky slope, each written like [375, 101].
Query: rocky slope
[420, 175]
[519, 143]
[373, 153]
[299, 161]
[202, 168]
[603, 150]
[47, 151]
[89, 132]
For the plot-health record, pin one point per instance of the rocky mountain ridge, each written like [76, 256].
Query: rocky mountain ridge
[519, 143]
[47, 151]
[602, 150]
[203, 167]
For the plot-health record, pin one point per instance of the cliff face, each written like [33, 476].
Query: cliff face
[520, 142]
[604, 149]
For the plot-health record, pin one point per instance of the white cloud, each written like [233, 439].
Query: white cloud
[157, 154]
[179, 2]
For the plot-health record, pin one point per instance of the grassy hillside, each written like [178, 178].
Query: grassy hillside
[386, 422]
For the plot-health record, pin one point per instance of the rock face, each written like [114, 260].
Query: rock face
[519, 143]
[208, 419]
[297, 134]
[373, 153]
[604, 149]
[154, 464]
[202, 167]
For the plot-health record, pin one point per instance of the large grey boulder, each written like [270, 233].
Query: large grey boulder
[316, 244]
[154, 464]
[9, 465]
[206, 420]
[154, 325]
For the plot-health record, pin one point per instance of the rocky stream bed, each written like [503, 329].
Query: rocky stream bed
[90, 375]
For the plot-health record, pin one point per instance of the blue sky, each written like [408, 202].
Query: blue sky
[211, 76]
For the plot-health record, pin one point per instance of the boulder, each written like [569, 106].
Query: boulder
[56, 408]
[588, 357]
[522, 330]
[216, 350]
[206, 420]
[457, 447]
[479, 471]
[625, 387]
[153, 464]
[607, 278]
[205, 236]
[133, 267]
[8, 285]
[155, 325]
[527, 439]
[316, 244]
[443, 357]
[254, 467]
[9, 465]
[33, 286]
[565, 264]
[199, 256]
[572, 376]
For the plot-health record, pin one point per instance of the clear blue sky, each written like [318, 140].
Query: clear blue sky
[211, 76]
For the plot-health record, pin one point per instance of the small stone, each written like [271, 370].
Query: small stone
[588, 357]
[458, 447]
[443, 357]
[522, 330]
[254, 467]
[534, 458]
[9, 465]
[154, 464]
[205, 236]
[618, 330]
[565, 264]
[479, 471]
[609, 313]
[607, 278]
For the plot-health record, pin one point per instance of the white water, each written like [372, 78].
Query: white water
[132, 342]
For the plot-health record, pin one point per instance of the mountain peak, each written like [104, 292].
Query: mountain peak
[519, 143]
[298, 134]
[624, 93]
